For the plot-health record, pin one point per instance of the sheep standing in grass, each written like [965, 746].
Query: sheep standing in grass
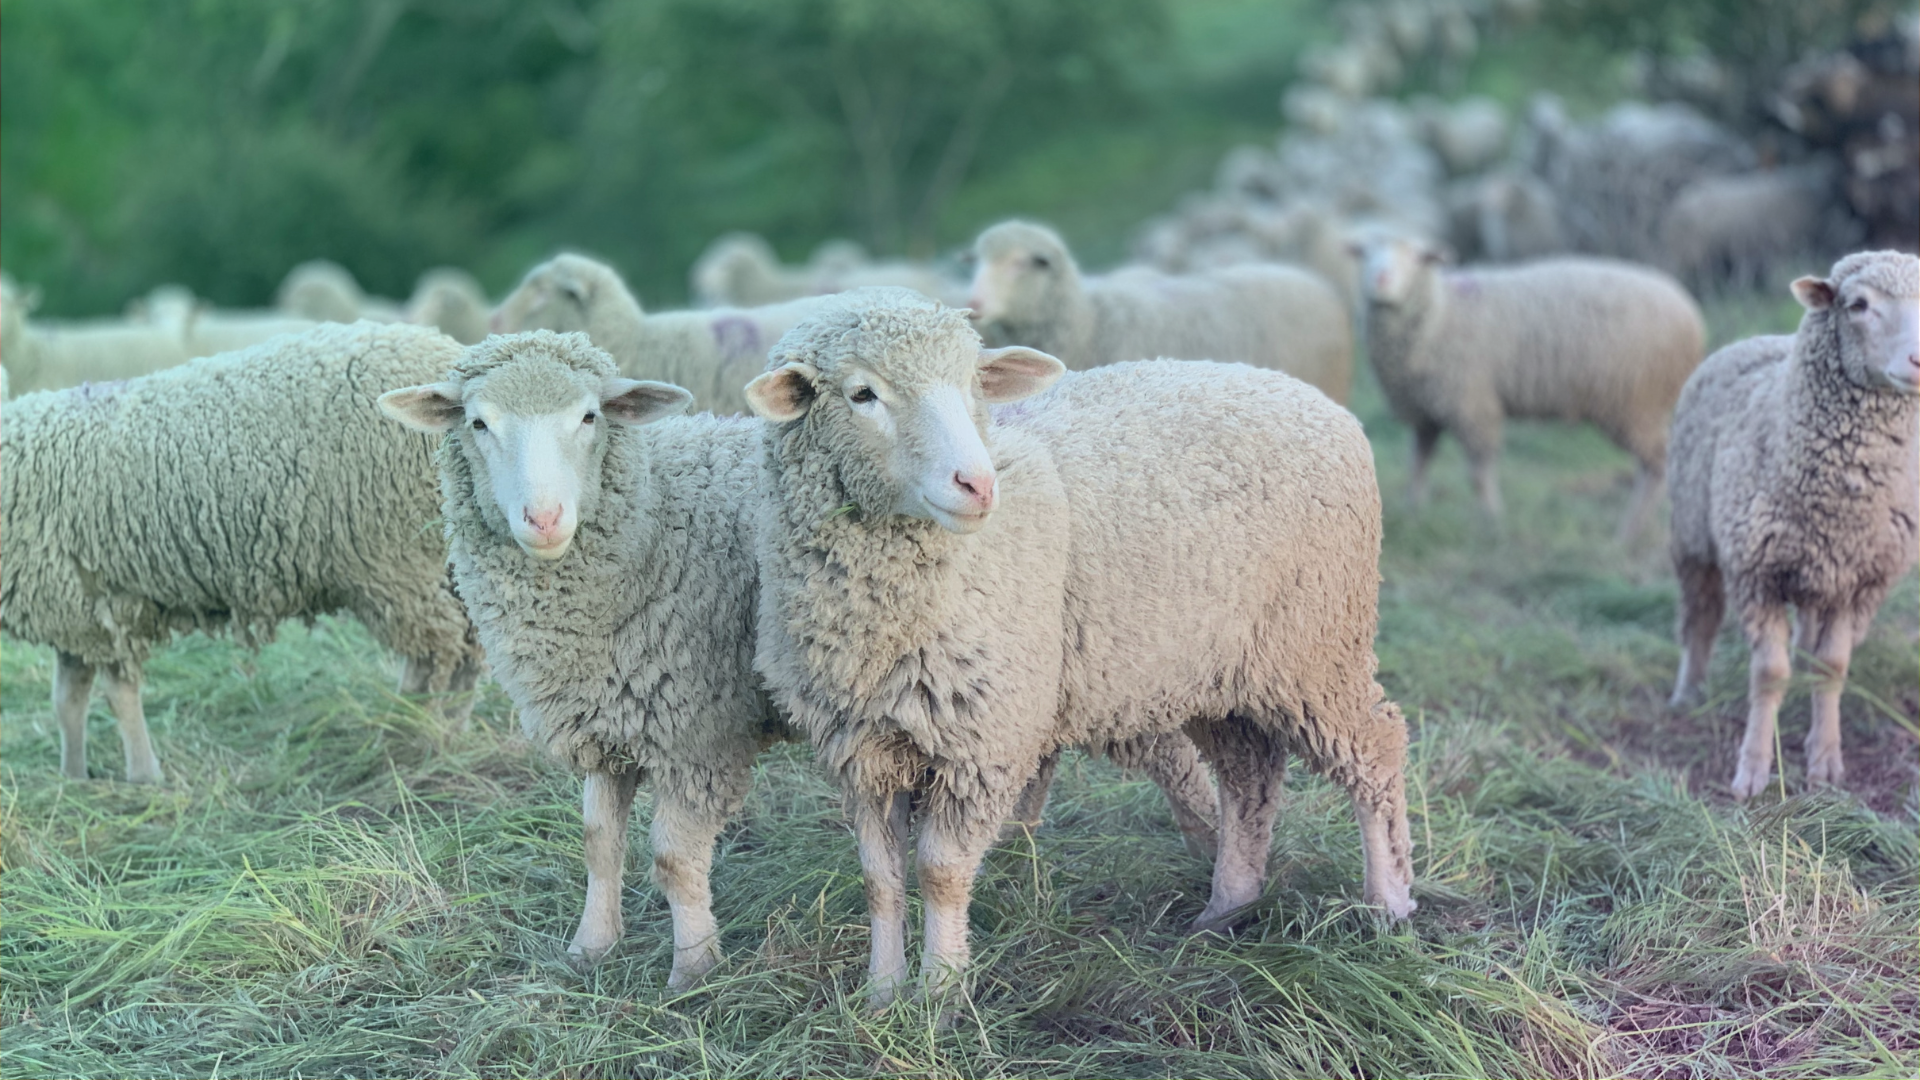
[1567, 339]
[50, 356]
[939, 613]
[204, 331]
[610, 571]
[232, 492]
[712, 352]
[1027, 290]
[1796, 483]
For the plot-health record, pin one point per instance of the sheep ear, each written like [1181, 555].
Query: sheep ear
[1438, 255]
[785, 393]
[1813, 293]
[432, 408]
[1356, 249]
[633, 402]
[1016, 372]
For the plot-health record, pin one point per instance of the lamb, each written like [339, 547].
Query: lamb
[325, 291]
[452, 300]
[1796, 482]
[609, 569]
[1568, 339]
[712, 353]
[938, 613]
[48, 357]
[1028, 290]
[229, 493]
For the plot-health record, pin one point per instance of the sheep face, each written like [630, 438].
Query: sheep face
[554, 296]
[534, 433]
[1876, 313]
[1022, 274]
[903, 414]
[1391, 268]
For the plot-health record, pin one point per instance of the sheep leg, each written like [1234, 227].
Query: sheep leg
[1174, 764]
[606, 803]
[123, 697]
[1648, 483]
[953, 839]
[457, 706]
[1829, 637]
[1031, 808]
[416, 676]
[1703, 603]
[683, 834]
[72, 690]
[1426, 437]
[1250, 766]
[880, 829]
[1767, 676]
[1486, 483]
[1387, 846]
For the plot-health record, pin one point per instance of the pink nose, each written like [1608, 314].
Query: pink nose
[544, 522]
[496, 323]
[978, 488]
[973, 307]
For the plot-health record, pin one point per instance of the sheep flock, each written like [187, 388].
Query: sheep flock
[937, 521]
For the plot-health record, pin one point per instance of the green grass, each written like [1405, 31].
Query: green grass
[331, 885]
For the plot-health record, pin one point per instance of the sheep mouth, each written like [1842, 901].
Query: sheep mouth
[958, 521]
[545, 552]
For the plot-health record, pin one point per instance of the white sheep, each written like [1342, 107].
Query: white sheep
[228, 493]
[943, 601]
[1738, 229]
[610, 571]
[450, 299]
[1029, 291]
[325, 291]
[1459, 351]
[711, 352]
[1795, 464]
[48, 356]
[741, 269]
[206, 331]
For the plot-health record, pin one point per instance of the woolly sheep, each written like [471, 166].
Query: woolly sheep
[741, 270]
[229, 493]
[1517, 217]
[609, 569]
[204, 331]
[1469, 134]
[1737, 229]
[326, 292]
[712, 353]
[1569, 339]
[451, 300]
[917, 587]
[1795, 464]
[44, 356]
[1028, 290]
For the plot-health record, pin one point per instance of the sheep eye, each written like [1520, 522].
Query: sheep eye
[479, 424]
[1858, 304]
[589, 418]
[1041, 262]
[863, 395]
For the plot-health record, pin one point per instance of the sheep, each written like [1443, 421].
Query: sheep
[229, 493]
[42, 356]
[325, 291]
[204, 331]
[712, 353]
[1028, 290]
[1737, 229]
[609, 569]
[938, 615]
[451, 300]
[741, 270]
[1517, 217]
[1796, 483]
[1568, 339]
[1469, 134]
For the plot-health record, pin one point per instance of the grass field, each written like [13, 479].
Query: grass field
[329, 885]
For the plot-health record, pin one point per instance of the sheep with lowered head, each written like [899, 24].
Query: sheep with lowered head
[947, 596]
[1459, 351]
[1795, 465]
[228, 493]
[711, 352]
[609, 568]
[1027, 290]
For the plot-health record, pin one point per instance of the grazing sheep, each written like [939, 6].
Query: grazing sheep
[1028, 290]
[452, 300]
[229, 493]
[204, 331]
[40, 356]
[610, 571]
[1567, 339]
[712, 353]
[326, 292]
[1796, 483]
[1735, 230]
[938, 613]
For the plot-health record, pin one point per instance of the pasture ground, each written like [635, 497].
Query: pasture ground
[330, 885]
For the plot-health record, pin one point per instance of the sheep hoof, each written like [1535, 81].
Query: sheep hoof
[1825, 771]
[148, 775]
[584, 955]
[884, 990]
[692, 965]
[1220, 921]
[1750, 782]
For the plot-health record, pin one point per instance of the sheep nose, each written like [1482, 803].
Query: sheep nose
[496, 324]
[978, 487]
[543, 522]
[973, 307]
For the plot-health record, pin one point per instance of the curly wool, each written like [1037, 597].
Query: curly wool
[636, 648]
[1267, 315]
[230, 493]
[1798, 482]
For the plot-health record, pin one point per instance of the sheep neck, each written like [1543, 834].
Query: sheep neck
[1842, 441]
